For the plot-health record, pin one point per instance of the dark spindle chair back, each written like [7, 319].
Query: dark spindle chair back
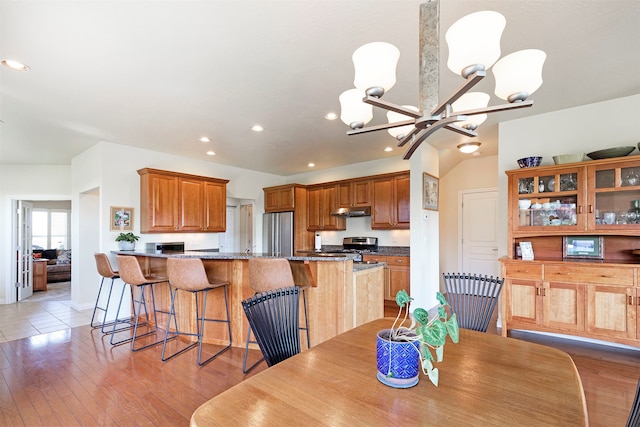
[273, 317]
[473, 298]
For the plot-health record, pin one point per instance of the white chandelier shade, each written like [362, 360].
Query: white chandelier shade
[352, 109]
[375, 65]
[471, 101]
[519, 73]
[394, 117]
[475, 39]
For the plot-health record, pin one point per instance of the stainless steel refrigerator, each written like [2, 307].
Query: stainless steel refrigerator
[277, 234]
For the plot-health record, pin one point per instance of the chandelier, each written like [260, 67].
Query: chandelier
[474, 46]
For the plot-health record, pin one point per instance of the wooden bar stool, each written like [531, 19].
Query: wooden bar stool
[104, 269]
[131, 274]
[267, 274]
[189, 275]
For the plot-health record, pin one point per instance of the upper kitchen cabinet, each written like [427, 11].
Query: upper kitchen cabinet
[354, 193]
[321, 201]
[600, 196]
[172, 202]
[281, 198]
[391, 202]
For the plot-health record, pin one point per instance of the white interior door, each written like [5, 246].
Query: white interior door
[24, 279]
[479, 231]
[229, 240]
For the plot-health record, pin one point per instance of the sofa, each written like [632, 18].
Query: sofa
[58, 264]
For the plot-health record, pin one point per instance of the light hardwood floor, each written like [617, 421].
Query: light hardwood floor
[74, 377]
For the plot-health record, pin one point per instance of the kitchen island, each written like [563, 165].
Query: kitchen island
[342, 294]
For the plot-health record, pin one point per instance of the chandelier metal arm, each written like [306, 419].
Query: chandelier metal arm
[428, 131]
[391, 107]
[495, 108]
[471, 81]
[461, 130]
[408, 136]
[381, 127]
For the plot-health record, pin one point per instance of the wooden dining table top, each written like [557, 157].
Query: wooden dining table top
[485, 379]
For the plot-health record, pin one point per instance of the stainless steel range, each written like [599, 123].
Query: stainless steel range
[358, 245]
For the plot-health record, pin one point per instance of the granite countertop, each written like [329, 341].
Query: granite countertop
[208, 254]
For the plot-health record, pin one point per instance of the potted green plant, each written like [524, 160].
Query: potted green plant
[402, 351]
[127, 241]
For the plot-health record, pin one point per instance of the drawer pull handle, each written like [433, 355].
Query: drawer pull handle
[590, 208]
[630, 300]
[580, 209]
[638, 301]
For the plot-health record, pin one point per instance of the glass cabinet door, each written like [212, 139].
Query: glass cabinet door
[550, 199]
[615, 202]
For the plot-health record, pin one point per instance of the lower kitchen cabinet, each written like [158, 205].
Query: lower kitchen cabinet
[595, 301]
[397, 273]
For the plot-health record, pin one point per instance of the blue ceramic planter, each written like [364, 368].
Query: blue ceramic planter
[398, 362]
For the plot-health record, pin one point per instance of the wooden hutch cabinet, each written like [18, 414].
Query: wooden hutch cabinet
[594, 298]
[173, 202]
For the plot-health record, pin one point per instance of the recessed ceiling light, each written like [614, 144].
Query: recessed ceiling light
[211, 153]
[257, 128]
[388, 149]
[14, 65]
[205, 139]
[331, 116]
[311, 165]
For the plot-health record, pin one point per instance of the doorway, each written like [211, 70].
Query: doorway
[41, 227]
[478, 226]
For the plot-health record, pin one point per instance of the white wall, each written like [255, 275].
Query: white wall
[28, 182]
[587, 128]
[474, 173]
[110, 171]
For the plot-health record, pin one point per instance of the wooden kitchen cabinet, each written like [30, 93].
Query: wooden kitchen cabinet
[172, 202]
[391, 202]
[354, 193]
[612, 312]
[397, 273]
[321, 201]
[280, 199]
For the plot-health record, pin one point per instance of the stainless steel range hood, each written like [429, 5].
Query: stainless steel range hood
[353, 211]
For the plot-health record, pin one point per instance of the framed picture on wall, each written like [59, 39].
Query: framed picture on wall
[430, 192]
[121, 218]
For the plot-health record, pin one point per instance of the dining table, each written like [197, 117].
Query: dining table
[484, 380]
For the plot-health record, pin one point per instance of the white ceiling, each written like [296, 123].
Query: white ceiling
[160, 74]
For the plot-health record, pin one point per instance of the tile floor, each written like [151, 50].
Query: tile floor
[44, 312]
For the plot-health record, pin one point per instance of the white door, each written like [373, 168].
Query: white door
[228, 241]
[479, 231]
[24, 279]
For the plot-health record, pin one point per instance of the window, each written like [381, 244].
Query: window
[50, 229]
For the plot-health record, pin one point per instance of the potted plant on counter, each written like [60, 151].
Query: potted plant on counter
[402, 351]
[127, 241]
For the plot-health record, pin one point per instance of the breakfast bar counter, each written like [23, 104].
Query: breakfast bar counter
[334, 303]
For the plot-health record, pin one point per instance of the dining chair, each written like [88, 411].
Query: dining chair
[473, 298]
[634, 414]
[189, 275]
[273, 318]
[267, 274]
